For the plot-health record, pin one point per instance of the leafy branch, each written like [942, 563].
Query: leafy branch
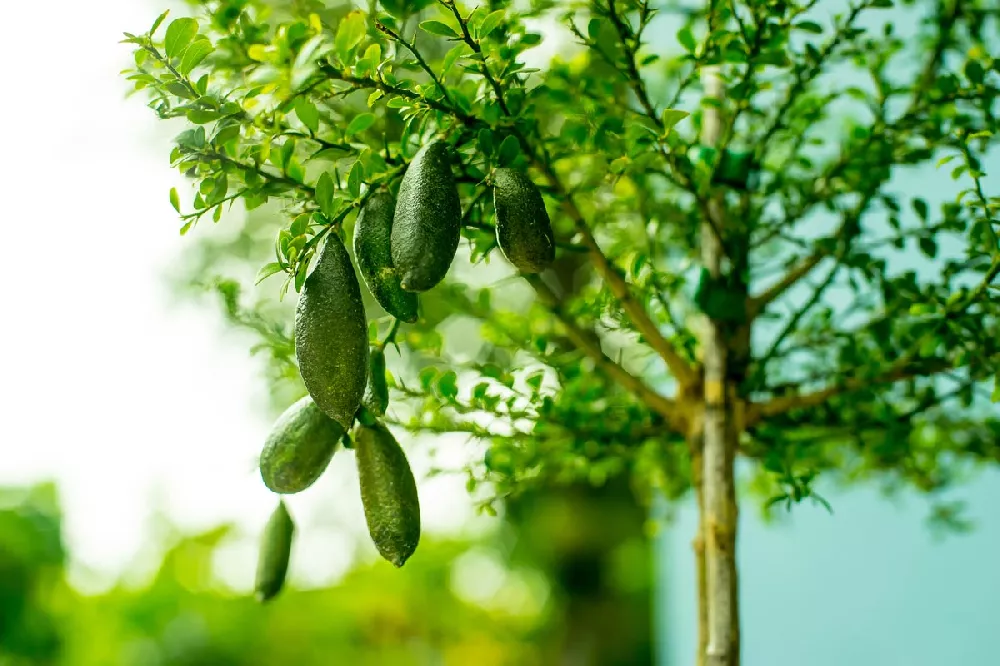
[683, 372]
[907, 366]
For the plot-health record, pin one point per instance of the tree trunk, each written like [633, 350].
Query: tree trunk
[698, 545]
[718, 596]
[573, 534]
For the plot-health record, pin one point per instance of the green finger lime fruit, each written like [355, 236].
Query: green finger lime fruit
[372, 234]
[388, 493]
[377, 392]
[299, 447]
[331, 334]
[427, 222]
[275, 552]
[524, 232]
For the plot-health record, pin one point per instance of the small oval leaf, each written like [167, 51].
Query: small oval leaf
[361, 122]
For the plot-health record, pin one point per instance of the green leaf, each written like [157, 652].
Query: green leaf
[594, 28]
[360, 123]
[447, 385]
[509, 150]
[324, 194]
[534, 380]
[198, 51]
[475, 19]
[179, 89]
[438, 28]
[486, 141]
[300, 225]
[219, 188]
[490, 23]
[300, 273]
[975, 72]
[175, 199]
[809, 26]
[267, 271]
[350, 32]
[287, 151]
[354, 179]
[427, 376]
[307, 112]
[180, 32]
[461, 100]
[454, 54]
[157, 22]
[686, 39]
[202, 116]
[671, 117]
[944, 160]
[920, 207]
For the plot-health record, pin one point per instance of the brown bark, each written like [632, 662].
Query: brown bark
[698, 545]
[719, 439]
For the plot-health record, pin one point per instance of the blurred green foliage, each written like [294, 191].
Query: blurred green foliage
[183, 615]
[31, 566]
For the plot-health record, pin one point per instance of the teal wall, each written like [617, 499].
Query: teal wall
[870, 585]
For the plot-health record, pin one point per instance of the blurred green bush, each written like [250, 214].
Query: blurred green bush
[182, 615]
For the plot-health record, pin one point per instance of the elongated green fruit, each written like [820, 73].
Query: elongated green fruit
[275, 551]
[377, 392]
[388, 493]
[524, 232]
[299, 447]
[331, 334]
[428, 219]
[372, 233]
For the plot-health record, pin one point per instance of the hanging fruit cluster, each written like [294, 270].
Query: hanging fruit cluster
[403, 246]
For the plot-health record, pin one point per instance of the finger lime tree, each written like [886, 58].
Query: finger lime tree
[708, 254]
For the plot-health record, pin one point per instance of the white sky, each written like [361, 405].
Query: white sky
[128, 403]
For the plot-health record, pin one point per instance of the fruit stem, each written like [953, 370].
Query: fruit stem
[390, 337]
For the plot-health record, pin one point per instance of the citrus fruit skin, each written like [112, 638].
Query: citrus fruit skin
[524, 232]
[331, 334]
[372, 250]
[377, 392]
[388, 493]
[275, 552]
[299, 447]
[427, 222]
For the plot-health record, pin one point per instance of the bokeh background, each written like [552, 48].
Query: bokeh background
[131, 413]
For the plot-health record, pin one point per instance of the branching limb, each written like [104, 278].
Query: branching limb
[905, 368]
[679, 173]
[908, 365]
[809, 73]
[366, 83]
[630, 47]
[801, 312]
[756, 304]
[588, 343]
[681, 370]
[411, 47]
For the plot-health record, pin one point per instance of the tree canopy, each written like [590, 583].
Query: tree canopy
[735, 271]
